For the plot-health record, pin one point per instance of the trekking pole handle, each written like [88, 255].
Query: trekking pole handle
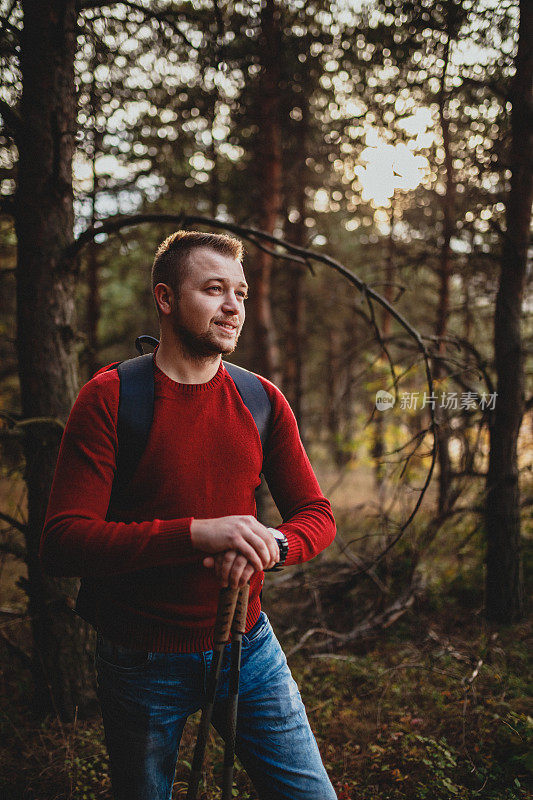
[241, 610]
[227, 600]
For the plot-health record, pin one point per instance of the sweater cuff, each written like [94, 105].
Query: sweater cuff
[295, 554]
[174, 540]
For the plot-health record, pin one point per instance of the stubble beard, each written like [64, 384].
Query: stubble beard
[202, 347]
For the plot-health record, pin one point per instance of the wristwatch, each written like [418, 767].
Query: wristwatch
[283, 545]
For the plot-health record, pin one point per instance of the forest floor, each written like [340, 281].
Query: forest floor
[437, 705]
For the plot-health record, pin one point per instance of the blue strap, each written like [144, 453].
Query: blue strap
[254, 397]
[134, 420]
[136, 412]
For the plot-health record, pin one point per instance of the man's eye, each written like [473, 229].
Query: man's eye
[210, 288]
[243, 295]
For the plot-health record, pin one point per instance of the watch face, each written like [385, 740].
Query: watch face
[280, 538]
[283, 546]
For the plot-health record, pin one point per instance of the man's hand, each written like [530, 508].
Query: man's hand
[240, 545]
[231, 569]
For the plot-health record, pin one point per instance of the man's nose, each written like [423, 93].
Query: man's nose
[231, 304]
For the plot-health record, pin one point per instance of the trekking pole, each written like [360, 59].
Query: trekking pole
[227, 600]
[237, 629]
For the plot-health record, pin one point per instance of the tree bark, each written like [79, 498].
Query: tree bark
[293, 367]
[265, 354]
[46, 334]
[378, 446]
[504, 593]
[340, 356]
[443, 311]
[93, 277]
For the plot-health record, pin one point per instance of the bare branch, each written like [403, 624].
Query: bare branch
[163, 17]
[15, 523]
[283, 248]
[42, 422]
[384, 347]
[382, 620]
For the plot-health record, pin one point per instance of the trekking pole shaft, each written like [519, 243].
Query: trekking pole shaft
[227, 600]
[237, 630]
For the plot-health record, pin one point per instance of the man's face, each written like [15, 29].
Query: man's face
[210, 309]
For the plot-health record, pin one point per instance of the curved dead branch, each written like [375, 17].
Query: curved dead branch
[372, 623]
[283, 249]
[14, 523]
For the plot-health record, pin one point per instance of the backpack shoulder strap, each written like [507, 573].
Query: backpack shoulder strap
[254, 398]
[134, 420]
[136, 412]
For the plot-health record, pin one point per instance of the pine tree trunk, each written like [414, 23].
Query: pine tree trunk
[293, 367]
[378, 446]
[46, 335]
[443, 311]
[265, 355]
[339, 361]
[504, 593]
[93, 309]
[93, 277]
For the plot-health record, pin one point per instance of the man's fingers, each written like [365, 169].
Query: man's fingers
[247, 574]
[236, 577]
[226, 567]
[230, 567]
[242, 534]
[249, 552]
[271, 544]
[255, 534]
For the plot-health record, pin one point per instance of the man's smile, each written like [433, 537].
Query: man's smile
[231, 327]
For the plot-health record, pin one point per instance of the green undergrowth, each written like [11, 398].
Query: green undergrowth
[436, 706]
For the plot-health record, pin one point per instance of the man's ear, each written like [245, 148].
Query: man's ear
[165, 298]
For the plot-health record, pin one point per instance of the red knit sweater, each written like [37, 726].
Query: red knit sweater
[143, 583]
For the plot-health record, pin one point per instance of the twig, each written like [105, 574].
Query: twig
[384, 620]
[311, 632]
[19, 526]
[359, 563]
[467, 684]
[159, 16]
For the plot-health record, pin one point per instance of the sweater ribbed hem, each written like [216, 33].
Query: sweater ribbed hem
[143, 633]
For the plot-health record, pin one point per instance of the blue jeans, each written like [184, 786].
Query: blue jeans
[147, 697]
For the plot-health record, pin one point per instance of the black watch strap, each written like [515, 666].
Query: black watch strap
[283, 545]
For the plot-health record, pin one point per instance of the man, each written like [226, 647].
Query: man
[151, 578]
